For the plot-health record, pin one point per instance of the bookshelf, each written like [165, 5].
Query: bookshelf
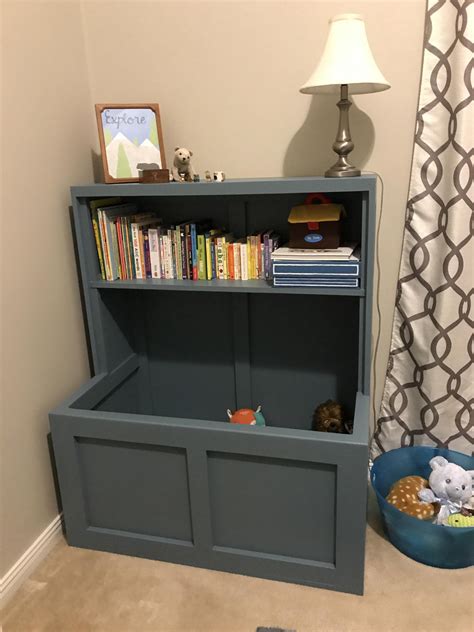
[148, 464]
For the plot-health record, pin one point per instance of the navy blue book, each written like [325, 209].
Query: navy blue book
[315, 281]
[330, 268]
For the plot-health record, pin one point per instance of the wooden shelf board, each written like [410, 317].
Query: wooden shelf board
[252, 287]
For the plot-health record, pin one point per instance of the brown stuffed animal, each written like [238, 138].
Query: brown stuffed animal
[404, 496]
[328, 417]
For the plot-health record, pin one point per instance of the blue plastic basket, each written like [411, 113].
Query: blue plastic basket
[436, 545]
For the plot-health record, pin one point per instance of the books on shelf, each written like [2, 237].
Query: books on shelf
[339, 267]
[134, 245]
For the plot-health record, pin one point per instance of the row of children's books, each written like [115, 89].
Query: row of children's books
[134, 245]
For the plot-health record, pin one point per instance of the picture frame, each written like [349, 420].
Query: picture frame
[129, 134]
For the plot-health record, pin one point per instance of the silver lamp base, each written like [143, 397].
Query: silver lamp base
[343, 144]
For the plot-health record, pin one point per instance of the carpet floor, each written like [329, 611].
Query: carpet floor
[76, 590]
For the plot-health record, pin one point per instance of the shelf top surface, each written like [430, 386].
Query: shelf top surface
[250, 287]
[252, 186]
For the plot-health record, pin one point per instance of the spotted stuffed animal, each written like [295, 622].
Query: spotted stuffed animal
[404, 496]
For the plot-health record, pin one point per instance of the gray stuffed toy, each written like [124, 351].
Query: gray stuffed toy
[451, 487]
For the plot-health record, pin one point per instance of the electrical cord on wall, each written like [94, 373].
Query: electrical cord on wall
[377, 293]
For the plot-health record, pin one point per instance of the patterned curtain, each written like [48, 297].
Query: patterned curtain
[429, 386]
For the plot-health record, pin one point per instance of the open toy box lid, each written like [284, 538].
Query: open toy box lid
[308, 213]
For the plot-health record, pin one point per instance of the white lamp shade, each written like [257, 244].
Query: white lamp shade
[347, 59]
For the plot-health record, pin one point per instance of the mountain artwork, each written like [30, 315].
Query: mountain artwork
[131, 135]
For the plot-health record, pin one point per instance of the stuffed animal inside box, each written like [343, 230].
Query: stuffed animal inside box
[247, 417]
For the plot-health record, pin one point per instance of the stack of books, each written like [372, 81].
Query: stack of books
[338, 267]
[133, 245]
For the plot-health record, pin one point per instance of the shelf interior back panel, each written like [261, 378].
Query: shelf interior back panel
[202, 353]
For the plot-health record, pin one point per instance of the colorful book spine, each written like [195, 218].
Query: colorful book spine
[179, 267]
[194, 252]
[146, 253]
[214, 257]
[169, 254]
[161, 239]
[142, 253]
[230, 261]
[189, 251]
[172, 252]
[118, 231]
[208, 240]
[244, 258]
[103, 238]
[182, 249]
[111, 242]
[136, 249]
[201, 257]
[220, 257]
[98, 243]
[154, 253]
[237, 261]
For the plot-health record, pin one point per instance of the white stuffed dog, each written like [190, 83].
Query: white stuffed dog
[182, 168]
[451, 487]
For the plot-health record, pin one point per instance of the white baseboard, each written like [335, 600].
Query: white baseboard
[30, 559]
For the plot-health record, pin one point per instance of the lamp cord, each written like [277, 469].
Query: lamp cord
[377, 293]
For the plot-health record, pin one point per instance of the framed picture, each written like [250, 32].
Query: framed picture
[129, 134]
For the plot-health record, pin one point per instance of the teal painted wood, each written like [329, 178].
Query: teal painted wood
[216, 285]
[249, 186]
[148, 465]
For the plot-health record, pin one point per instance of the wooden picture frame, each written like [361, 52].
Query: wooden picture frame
[129, 134]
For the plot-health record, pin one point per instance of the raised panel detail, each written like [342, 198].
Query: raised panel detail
[273, 506]
[137, 488]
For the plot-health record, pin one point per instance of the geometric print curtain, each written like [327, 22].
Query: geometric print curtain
[428, 396]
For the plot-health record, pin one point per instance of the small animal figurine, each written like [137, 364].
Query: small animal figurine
[219, 176]
[404, 496]
[146, 166]
[328, 417]
[458, 520]
[247, 416]
[182, 168]
[450, 486]
[207, 175]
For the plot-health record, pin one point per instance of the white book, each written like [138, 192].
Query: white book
[154, 253]
[169, 260]
[237, 273]
[165, 256]
[162, 255]
[301, 254]
[244, 262]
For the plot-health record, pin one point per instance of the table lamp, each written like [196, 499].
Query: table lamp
[347, 64]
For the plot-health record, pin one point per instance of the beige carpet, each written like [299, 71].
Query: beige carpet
[75, 590]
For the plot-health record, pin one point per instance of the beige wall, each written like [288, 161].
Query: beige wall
[46, 134]
[226, 75]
